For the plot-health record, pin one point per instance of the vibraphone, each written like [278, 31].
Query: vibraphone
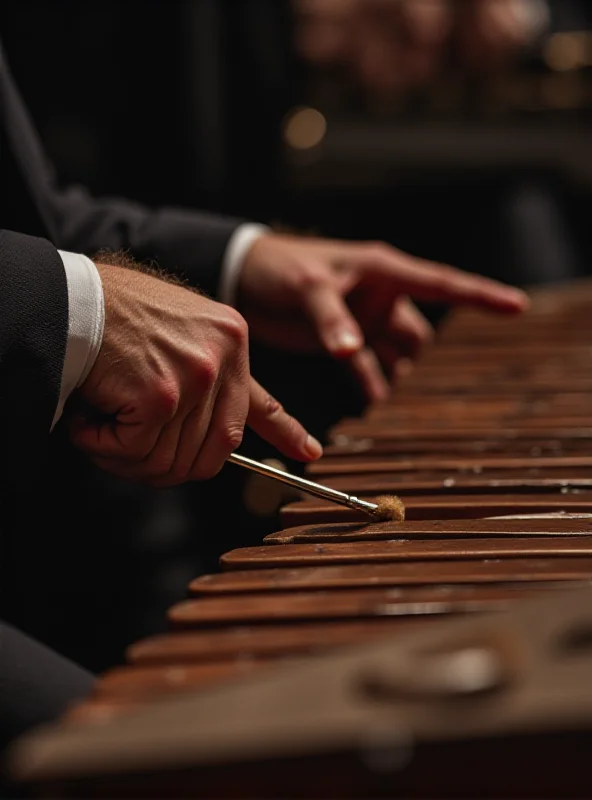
[489, 444]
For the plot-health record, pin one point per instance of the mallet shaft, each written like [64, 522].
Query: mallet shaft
[305, 485]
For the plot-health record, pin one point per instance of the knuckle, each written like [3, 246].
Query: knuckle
[308, 279]
[232, 437]
[272, 407]
[235, 327]
[206, 371]
[165, 400]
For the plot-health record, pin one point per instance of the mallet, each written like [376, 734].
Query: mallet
[388, 508]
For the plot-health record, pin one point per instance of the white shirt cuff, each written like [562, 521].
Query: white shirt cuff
[86, 320]
[238, 246]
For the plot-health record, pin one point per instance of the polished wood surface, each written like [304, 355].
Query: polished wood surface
[299, 555]
[473, 506]
[420, 483]
[490, 570]
[291, 607]
[551, 525]
[244, 642]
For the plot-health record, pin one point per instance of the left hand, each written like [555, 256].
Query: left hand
[352, 300]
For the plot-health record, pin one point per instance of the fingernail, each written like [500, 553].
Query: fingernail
[313, 448]
[346, 340]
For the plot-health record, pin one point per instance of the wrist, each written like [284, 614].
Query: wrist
[239, 247]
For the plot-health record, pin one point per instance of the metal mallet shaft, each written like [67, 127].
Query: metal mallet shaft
[373, 509]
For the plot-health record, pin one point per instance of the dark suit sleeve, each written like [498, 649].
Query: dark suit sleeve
[188, 243]
[33, 335]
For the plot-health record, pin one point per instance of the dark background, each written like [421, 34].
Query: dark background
[183, 102]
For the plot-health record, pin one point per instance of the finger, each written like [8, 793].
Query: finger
[156, 468]
[160, 461]
[439, 283]
[268, 419]
[124, 429]
[367, 371]
[172, 459]
[338, 331]
[388, 356]
[98, 438]
[176, 447]
[225, 432]
[409, 328]
[394, 365]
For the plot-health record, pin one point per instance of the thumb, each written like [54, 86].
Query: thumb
[338, 331]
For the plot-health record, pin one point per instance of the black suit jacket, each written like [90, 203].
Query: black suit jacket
[33, 291]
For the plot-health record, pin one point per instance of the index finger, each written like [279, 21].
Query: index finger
[440, 283]
[268, 418]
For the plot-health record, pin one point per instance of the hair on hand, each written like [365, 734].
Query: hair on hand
[123, 259]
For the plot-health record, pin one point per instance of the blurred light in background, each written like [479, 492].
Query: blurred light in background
[304, 128]
[568, 51]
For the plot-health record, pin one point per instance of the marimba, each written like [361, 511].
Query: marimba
[489, 444]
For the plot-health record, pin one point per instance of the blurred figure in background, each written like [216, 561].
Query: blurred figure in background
[390, 47]
[393, 49]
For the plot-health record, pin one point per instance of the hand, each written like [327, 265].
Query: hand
[352, 300]
[172, 385]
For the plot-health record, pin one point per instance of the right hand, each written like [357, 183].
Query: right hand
[171, 386]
